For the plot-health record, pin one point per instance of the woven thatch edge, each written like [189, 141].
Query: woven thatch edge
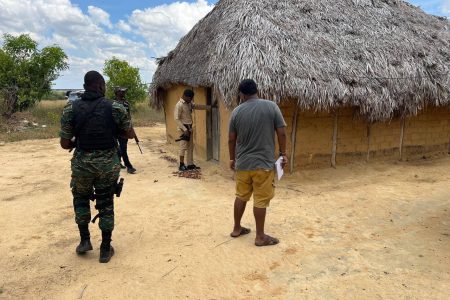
[385, 75]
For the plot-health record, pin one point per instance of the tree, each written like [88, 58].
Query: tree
[26, 73]
[120, 73]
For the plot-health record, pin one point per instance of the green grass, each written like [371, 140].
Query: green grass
[48, 112]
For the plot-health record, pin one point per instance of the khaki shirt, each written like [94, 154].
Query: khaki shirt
[183, 113]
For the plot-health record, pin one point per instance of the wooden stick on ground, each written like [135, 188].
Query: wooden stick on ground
[82, 291]
[229, 240]
[173, 269]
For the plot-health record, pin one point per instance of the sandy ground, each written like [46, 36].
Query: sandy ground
[377, 231]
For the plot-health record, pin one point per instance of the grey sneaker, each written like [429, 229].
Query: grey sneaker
[131, 170]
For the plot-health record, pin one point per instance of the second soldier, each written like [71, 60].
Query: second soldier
[119, 92]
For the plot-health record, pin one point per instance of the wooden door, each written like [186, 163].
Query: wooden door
[213, 128]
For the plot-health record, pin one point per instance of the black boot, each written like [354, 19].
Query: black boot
[85, 243]
[193, 167]
[131, 170]
[106, 250]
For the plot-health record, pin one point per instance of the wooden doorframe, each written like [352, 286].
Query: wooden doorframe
[209, 137]
[212, 129]
[216, 136]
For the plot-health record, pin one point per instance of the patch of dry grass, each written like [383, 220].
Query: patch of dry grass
[143, 115]
[48, 113]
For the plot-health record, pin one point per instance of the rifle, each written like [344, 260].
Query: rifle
[184, 137]
[137, 143]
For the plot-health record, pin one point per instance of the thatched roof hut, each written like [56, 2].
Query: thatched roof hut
[386, 57]
[354, 78]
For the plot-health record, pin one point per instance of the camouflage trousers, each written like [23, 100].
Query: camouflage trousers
[94, 173]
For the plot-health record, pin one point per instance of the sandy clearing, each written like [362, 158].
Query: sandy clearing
[377, 231]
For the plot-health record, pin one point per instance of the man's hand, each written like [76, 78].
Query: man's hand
[129, 134]
[67, 144]
[285, 161]
[233, 164]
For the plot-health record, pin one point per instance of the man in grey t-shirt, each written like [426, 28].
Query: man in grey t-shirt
[252, 154]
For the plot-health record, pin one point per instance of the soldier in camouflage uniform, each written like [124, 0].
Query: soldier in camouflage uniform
[119, 92]
[91, 126]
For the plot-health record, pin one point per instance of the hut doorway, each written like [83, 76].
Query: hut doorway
[212, 128]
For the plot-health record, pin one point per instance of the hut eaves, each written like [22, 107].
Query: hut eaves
[386, 57]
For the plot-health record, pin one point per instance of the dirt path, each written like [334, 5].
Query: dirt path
[380, 231]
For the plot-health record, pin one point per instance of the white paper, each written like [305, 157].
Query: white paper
[279, 168]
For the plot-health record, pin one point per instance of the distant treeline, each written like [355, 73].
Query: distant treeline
[56, 95]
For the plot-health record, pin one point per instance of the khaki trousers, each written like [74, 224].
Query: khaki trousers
[187, 146]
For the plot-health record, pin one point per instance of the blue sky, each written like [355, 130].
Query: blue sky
[118, 9]
[91, 31]
[435, 7]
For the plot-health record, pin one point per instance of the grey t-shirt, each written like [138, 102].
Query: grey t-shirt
[254, 122]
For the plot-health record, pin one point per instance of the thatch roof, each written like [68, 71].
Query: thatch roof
[386, 57]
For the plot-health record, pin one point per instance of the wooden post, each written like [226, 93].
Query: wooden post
[335, 133]
[402, 136]
[294, 138]
[369, 135]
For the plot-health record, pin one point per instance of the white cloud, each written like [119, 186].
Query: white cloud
[99, 16]
[42, 16]
[86, 43]
[62, 41]
[123, 26]
[90, 38]
[446, 7]
[162, 26]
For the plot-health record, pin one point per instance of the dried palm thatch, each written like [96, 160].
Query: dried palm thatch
[386, 57]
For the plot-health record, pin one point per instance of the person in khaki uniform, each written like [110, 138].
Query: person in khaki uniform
[183, 119]
[252, 147]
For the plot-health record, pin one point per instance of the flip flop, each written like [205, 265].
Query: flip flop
[244, 231]
[269, 242]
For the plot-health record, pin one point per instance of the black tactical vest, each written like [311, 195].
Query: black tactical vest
[94, 125]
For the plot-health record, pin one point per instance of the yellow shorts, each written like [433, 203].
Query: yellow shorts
[260, 183]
